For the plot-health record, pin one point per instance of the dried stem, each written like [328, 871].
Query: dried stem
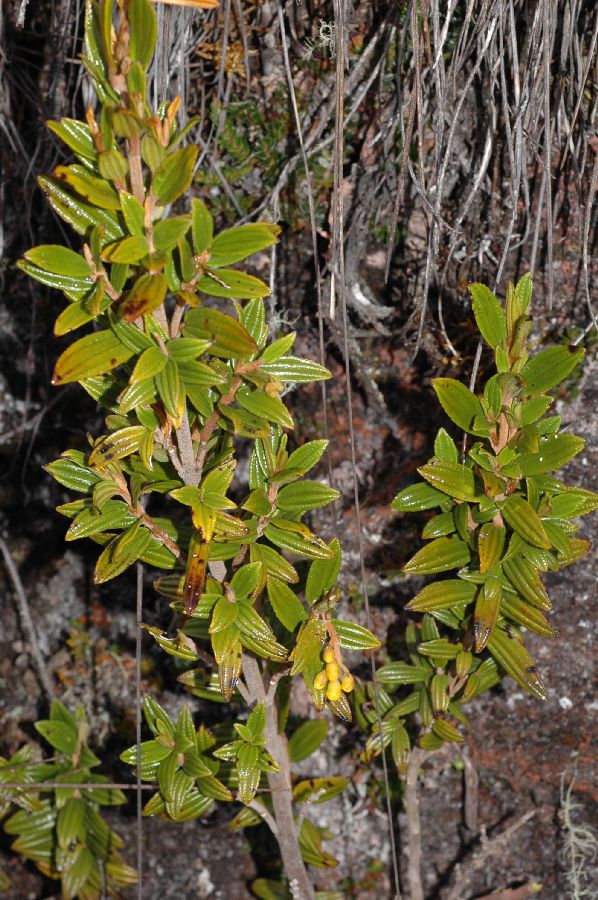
[27, 622]
[280, 786]
[414, 844]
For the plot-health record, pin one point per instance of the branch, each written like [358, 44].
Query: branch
[464, 871]
[414, 842]
[265, 814]
[27, 622]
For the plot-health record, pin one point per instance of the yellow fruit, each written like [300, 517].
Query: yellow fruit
[328, 655]
[334, 690]
[332, 671]
[320, 680]
[348, 683]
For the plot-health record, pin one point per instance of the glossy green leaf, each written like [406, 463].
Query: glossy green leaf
[230, 339]
[442, 595]
[440, 555]
[270, 408]
[285, 603]
[59, 260]
[305, 495]
[549, 367]
[173, 177]
[76, 212]
[459, 403]
[143, 31]
[96, 191]
[417, 498]
[516, 661]
[524, 520]
[525, 579]
[354, 637]
[76, 135]
[168, 232]
[298, 371]
[306, 739]
[233, 284]
[128, 250]
[491, 542]
[401, 673]
[555, 450]
[237, 243]
[91, 355]
[486, 612]
[202, 225]
[440, 649]
[452, 478]
[311, 547]
[516, 609]
[489, 315]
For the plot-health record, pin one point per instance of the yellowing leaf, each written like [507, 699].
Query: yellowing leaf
[91, 355]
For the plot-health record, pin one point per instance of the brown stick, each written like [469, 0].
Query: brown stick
[27, 622]
[280, 786]
[464, 871]
[414, 842]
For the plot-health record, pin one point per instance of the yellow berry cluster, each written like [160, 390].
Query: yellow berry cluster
[330, 679]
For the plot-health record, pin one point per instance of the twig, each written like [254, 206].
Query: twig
[471, 796]
[265, 814]
[139, 621]
[27, 622]
[414, 835]
[464, 871]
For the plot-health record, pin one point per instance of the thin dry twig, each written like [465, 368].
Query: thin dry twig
[27, 622]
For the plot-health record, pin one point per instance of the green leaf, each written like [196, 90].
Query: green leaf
[323, 573]
[306, 739]
[524, 614]
[549, 367]
[401, 673]
[309, 546]
[142, 32]
[59, 260]
[69, 823]
[523, 519]
[168, 232]
[354, 637]
[202, 225]
[75, 288]
[76, 135]
[121, 553]
[285, 603]
[486, 613]
[145, 297]
[440, 555]
[97, 191]
[452, 478]
[491, 542]
[442, 595]
[298, 371]
[237, 243]
[516, 661]
[229, 338]
[133, 212]
[489, 315]
[459, 403]
[446, 731]
[305, 457]
[525, 579]
[128, 250]
[445, 447]
[59, 735]
[76, 212]
[273, 563]
[319, 790]
[174, 176]
[233, 284]
[260, 404]
[555, 450]
[73, 476]
[278, 348]
[440, 649]
[91, 355]
[308, 645]
[417, 498]
[248, 771]
[305, 495]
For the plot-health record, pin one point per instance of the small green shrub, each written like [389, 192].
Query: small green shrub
[501, 520]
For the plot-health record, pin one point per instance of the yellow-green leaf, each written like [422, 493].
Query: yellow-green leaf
[173, 177]
[91, 355]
